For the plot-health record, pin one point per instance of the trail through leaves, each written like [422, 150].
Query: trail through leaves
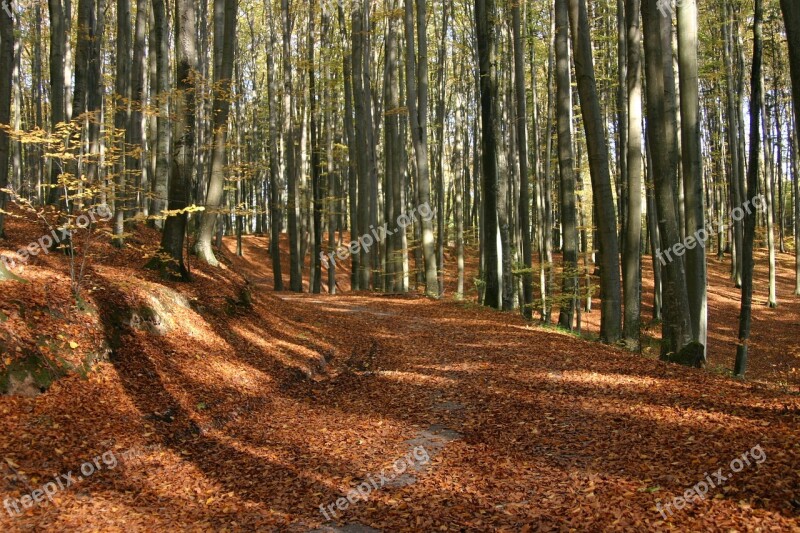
[249, 418]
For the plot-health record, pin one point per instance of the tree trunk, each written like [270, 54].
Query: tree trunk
[122, 106]
[332, 202]
[622, 133]
[611, 319]
[417, 96]
[275, 212]
[6, 66]
[295, 271]
[161, 178]
[769, 199]
[522, 147]
[566, 165]
[546, 272]
[461, 178]
[485, 14]
[632, 260]
[441, 65]
[316, 180]
[94, 95]
[173, 265]
[733, 135]
[134, 134]
[361, 102]
[677, 327]
[696, 268]
[352, 146]
[756, 102]
[796, 193]
[224, 39]
[791, 17]
[57, 89]
[82, 54]
[393, 146]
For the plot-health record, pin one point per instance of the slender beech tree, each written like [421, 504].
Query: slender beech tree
[522, 148]
[171, 259]
[58, 109]
[6, 67]
[756, 102]
[732, 136]
[94, 91]
[275, 212]
[796, 186]
[676, 326]
[394, 145]
[791, 17]
[769, 215]
[122, 112]
[224, 40]
[485, 14]
[417, 96]
[611, 311]
[316, 180]
[134, 133]
[352, 146]
[439, 145]
[696, 268]
[289, 154]
[161, 178]
[361, 103]
[566, 165]
[632, 260]
[83, 42]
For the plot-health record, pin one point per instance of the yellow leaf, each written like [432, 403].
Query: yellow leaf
[73, 344]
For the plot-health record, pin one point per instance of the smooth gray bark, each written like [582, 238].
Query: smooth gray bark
[566, 161]
[417, 97]
[161, 178]
[224, 39]
[756, 103]
[522, 149]
[122, 113]
[611, 306]
[692, 158]
[632, 260]
[172, 264]
[676, 327]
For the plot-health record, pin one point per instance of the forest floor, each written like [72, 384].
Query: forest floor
[221, 412]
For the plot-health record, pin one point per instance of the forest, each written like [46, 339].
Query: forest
[399, 265]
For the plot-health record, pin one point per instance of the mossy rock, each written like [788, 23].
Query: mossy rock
[29, 376]
[34, 373]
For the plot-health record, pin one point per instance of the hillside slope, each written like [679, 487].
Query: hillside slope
[224, 406]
